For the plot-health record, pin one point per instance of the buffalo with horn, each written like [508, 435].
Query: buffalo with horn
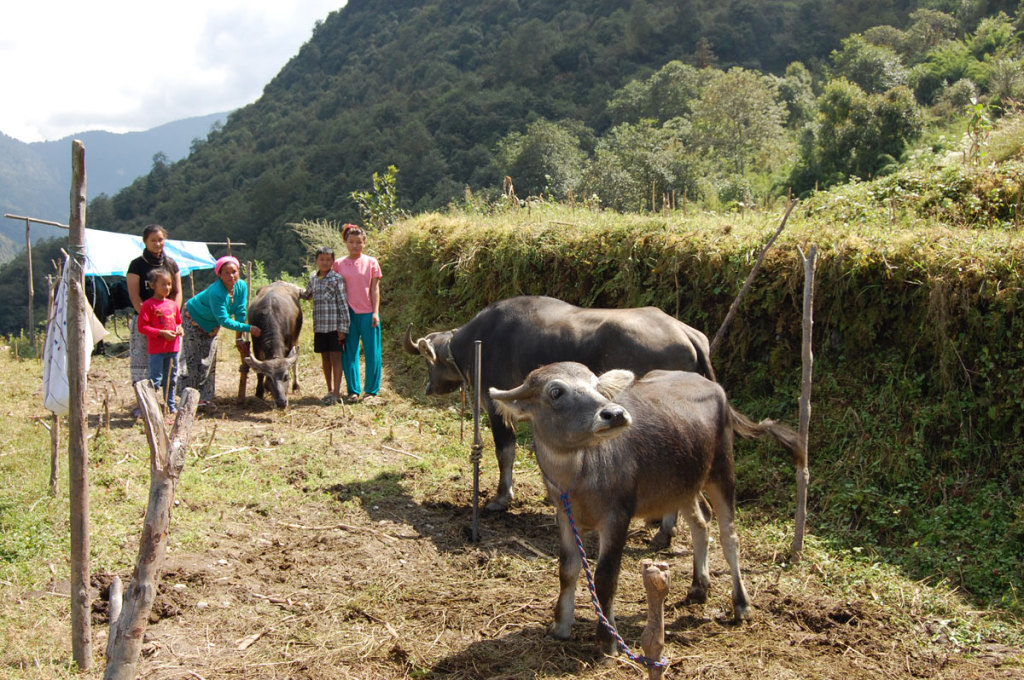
[522, 333]
[275, 309]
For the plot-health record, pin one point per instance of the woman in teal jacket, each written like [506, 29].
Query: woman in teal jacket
[221, 304]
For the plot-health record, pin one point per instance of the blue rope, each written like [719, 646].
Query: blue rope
[645, 661]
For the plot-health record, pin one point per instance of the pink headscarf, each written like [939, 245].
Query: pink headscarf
[223, 261]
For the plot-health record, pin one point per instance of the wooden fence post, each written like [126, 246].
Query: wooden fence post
[31, 286]
[78, 470]
[166, 460]
[243, 369]
[807, 356]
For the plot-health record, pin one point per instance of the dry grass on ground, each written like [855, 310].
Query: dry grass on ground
[323, 543]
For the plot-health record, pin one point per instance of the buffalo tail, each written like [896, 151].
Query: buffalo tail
[786, 436]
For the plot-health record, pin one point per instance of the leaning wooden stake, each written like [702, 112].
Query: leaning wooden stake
[807, 354]
[746, 284]
[244, 350]
[167, 458]
[657, 579]
[54, 453]
[55, 425]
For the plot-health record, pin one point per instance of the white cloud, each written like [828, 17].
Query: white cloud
[124, 65]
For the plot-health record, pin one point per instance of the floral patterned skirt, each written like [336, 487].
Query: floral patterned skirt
[197, 363]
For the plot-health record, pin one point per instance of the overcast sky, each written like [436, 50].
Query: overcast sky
[124, 65]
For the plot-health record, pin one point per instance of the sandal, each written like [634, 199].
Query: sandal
[353, 398]
[329, 400]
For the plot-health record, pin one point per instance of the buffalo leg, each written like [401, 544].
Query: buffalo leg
[694, 516]
[569, 564]
[259, 385]
[505, 451]
[663, 539]
[724, 503]
[606, 576]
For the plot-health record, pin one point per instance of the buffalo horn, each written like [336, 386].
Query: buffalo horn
[410, 346]
[511, 395]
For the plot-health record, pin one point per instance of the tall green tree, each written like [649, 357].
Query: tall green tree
[739, 121]
[797, 93]
[636, 164]
[545, 159]
[855, 134]
[668, 93]
[874, 68]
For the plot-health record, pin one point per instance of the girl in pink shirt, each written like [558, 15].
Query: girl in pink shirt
[362, 284]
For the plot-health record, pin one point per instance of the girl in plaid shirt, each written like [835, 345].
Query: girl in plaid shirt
[330, 320]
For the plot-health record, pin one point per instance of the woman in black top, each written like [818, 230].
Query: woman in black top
[137, 278]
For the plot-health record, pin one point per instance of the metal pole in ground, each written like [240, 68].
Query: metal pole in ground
[478, 444]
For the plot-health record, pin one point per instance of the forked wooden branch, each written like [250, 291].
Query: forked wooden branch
[807, 356]
[746, 284]
[114, 612]
[657, 579]
[167, 458]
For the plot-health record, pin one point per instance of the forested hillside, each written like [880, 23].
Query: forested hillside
[640, 106]
[456, 95]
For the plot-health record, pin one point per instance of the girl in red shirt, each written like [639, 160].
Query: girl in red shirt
[160, 322]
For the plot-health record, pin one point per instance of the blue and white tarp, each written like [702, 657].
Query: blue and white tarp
[108, 253]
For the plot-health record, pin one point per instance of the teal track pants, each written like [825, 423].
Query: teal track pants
[360, 328]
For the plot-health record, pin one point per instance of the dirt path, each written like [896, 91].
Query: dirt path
[375, 579]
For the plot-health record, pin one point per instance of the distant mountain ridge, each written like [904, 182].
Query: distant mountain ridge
[35, 178]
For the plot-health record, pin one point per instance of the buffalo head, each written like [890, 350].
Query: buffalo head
[445, 375]
[567, 406]
[275, 372]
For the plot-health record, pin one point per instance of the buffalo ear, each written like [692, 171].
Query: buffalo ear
[610, 383]
[427, 350]
[507, 403]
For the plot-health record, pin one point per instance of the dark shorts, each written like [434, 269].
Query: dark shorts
[326, 342]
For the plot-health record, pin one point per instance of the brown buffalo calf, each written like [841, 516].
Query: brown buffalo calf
[623, 448]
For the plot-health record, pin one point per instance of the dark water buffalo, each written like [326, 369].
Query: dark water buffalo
[623, 448]
[107, 296]
[521, 333]
[275, 309]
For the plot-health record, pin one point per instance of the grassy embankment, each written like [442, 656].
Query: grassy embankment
[916, 441]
